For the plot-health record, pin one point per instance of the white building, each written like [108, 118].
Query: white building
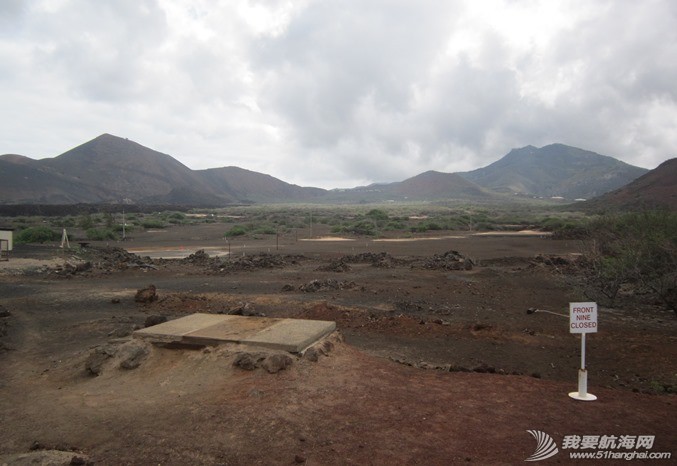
[6, 242]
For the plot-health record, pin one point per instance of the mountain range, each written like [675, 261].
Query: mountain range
[110, 169]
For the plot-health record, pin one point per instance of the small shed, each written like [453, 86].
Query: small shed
[6, 242]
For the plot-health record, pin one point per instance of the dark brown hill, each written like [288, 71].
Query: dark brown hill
[132, 172]
[107, 169]
[427, 186]
[249, 186]
[26, 181]
[655, 189]
[437, 185]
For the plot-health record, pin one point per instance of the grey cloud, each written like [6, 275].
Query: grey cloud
[625, 72]
[12, 12]
[99, 49]
[369, 114]
[345, 92]
[330, 64]
[337, 54]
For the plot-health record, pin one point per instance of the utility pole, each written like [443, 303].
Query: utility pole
[124, 233]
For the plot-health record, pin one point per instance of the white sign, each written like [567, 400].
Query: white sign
[583, 317]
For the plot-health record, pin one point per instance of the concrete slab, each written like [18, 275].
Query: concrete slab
[234, 329]
[293, 335]
[174, 330]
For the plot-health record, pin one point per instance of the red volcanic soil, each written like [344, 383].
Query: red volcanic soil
[435, 364]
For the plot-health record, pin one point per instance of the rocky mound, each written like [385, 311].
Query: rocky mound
[382, 259]
[233, 264]
[450, 260]
[314, 286]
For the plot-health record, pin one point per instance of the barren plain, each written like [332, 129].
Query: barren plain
[437, 361]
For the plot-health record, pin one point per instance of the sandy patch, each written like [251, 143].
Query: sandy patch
[177, 252]
[404, 240]
[327, 238]
[514, 233]
[21, 265]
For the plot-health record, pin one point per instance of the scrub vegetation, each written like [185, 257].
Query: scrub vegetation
[636, 251]
[624, 253]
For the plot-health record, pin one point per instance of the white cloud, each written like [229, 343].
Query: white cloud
[337, 94]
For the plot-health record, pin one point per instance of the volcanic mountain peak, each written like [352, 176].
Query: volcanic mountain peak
[555, 170]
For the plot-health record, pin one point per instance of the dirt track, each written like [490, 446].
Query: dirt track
[395, 392]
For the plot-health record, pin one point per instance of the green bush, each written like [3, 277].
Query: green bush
[237, 230]
[177, 216]
[86, 222]
[118, 228]
[395, 225]
[360, 227]
[100, 234]
[37, 235]
[377, 214]
[152, 223]
[364, 227]
[425, 226]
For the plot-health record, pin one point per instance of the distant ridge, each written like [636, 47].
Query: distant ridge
[250, 186]
[427, 186]
[114, 170]
[555, 170]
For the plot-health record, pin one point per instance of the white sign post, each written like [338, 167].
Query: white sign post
[582, 319]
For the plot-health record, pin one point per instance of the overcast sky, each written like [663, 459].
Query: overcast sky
[340, 93]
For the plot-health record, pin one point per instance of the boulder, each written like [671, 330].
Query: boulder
[154, 320]
[311, 354]
[322, 348]
[146, 295]
[272, 363]
[97, 358]
[248, 361]
[132, 355]
[277, 362]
